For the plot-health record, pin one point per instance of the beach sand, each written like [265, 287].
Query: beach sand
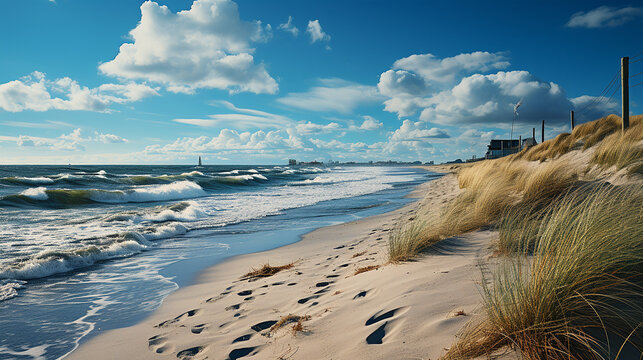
[411, 310]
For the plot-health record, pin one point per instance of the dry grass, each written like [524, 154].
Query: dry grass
[289, 319]
[359, 254]
[622, 150]
[581, 289]
[494, 187]
[265, 271]
[367, 268]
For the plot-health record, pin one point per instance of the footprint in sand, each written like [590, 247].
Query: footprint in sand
[233, 307]
[241, 352]
[241, 338]
[244, 293]
[189, 353]
[159, 344]
[360, 294]
[181, 317]
[197, 329]
[263, 325]
[377, 336]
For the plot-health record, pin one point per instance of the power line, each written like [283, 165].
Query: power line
[637, 74]
[604, 92]
[631, 86]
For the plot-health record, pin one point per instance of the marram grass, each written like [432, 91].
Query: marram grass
[580, 296]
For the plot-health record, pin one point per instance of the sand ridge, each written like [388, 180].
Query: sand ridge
[404, 311]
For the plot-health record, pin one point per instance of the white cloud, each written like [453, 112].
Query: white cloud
[369, 124]
[207, 46]
[490, 99]
[35, 92]
[413, 78]
[68, 142]
[231, 140]
[312, 128]
[405, 90]
[109, 138]
[316, 33]
[334, 95]
[604, 16]
[417, 131]
[289, 27]
[594, 107]
[431, 68]
[241, 118]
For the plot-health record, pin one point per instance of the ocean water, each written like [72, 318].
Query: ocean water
[85, 249]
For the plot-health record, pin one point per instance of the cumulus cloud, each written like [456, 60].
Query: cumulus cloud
[417, 131]
[289, 27]
[307, 128]
[35, 92]
[316, 33]
[68, 142]
[491, 99]
[431, 68]
[604, 16]
[207, 46]
[446, 92]
[370, 123]
[228, 139]
[109, 138]
[334, 95]
[415, 77]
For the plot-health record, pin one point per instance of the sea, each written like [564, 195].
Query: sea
[86, 249]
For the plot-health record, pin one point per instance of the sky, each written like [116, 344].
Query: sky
[260, 82]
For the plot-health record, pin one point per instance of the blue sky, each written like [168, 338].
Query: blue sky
[258, 82]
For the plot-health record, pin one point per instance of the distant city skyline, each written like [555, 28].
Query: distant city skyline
[257, 82]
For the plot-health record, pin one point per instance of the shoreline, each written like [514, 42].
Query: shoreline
[221, 316]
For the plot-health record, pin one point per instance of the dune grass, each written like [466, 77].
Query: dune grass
[569, 285]
[493, 187]
[622, 150]
[581, 289]
[265, 271]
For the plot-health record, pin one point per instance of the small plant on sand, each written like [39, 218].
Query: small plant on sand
[367, 268]
[579, 295]
[289, 319]
[265, 271]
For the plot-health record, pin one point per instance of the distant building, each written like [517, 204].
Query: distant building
[317, 163]
[501, 147]
[292, 162]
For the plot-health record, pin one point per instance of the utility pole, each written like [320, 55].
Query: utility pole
[625, 91]
[542, 133]
[571, 117]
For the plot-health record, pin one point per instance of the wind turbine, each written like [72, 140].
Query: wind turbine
[514, 119]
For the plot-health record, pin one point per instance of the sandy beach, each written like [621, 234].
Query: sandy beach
[404, 311]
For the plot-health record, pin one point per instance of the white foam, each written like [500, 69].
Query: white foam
[253, 171]
[8, 288]
[51, 262]
[34, 180]
[101, 172]
[166, 192]
[259, 176]
[190, 213]
[38, 193]
[165, 231]
[192, 173]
